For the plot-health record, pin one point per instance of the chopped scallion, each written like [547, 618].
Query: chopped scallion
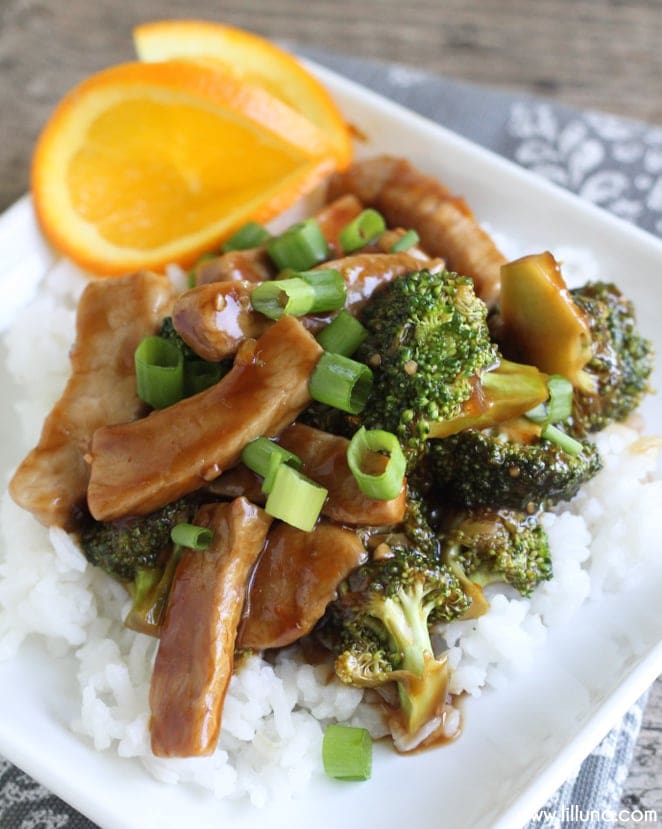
[567, 443]
[343, 335]
[347, 752]
[294, 498]
[328, 285]
[560, 398]
[558, 407]
[159, 366]
[341, 382]
[263, 457]
[299, 247]
[251, 235]
[283, 296]
[386, 484]
[362, 230]
[191, 535]
[406, 241]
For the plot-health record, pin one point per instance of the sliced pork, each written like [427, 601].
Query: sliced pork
[447, 227]
[195, 658]
[138, 467]
[113, 316]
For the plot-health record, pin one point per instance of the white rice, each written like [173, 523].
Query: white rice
[275, 711]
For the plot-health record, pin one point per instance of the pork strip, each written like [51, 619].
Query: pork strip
[139, 467]
[324, 460]
[447, 227]
[113, 316]
[296, 577]
[195, 658]
[250, 265]
[254, 264]
[364, 273]
[215, 319]
[333, 217]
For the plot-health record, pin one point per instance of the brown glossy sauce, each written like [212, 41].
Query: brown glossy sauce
[294, 580]
[138, 467]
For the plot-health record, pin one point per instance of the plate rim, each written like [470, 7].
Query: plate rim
[649, 666]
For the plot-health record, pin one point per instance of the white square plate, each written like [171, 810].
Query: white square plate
[519, 743]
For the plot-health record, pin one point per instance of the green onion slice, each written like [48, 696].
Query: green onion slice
[343, 335]
[283, 296]
[558, 407]
[191, 535]
[328, 285]
[159, 368]
[251, 235]
[567, 443]
[299, 247]
[368, 225]
[347, 752]
[341, 382]
[263, 456]
[384, 485]
[406, 241]
[294, 498]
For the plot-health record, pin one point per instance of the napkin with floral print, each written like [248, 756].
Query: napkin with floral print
[610, 161]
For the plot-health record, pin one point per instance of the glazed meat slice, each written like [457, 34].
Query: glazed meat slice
[113, 316]
[333, 217]
[195, 658]
[296, 577]
[141, 466]
[364, 273]
[385, 241]
[324, 460]
[447, 227]
[251, 265]
[254, 264]
[215, 319]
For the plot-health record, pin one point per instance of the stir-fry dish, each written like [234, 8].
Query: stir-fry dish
[338, 436]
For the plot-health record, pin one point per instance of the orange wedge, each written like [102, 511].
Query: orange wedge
[146, 164]
[254, 59]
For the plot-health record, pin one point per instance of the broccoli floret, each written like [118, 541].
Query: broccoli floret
[127, 545]
[427, 341]
[170, 333]
[378, 629]
[491, 546]
[488, 468]
[622, 359]
[417, 523]
[149, 592]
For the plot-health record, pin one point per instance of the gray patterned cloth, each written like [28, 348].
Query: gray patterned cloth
[613, 162]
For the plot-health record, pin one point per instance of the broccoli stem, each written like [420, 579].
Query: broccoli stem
[422, 680]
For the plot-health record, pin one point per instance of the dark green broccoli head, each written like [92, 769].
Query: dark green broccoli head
[170, 333]
[428, 340]
[378, 629]
[417, 523]
[622, 359]
[484, 468]
[127, 545]
[493, 546]
[385, 606]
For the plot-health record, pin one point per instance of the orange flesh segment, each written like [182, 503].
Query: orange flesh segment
[115, 168]
[254, 59]
[146, 164]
